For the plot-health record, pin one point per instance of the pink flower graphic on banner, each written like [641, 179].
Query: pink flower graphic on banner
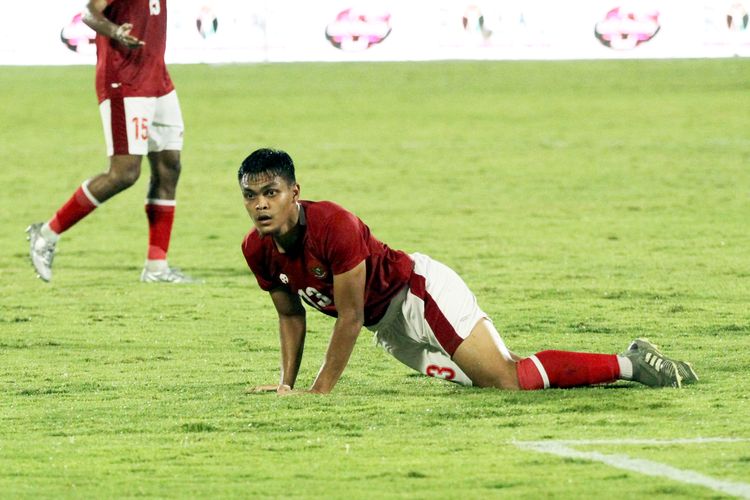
[207, 23]
[625, 29]
[737, 17]
[473, 22]
[358, 29]
[77, 36]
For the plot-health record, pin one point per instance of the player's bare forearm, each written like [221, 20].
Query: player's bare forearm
[345, 333]
[93, 17]
[349, 297]
[292, 328]
[292, 338]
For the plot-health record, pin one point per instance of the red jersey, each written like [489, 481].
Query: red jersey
[141, 72]
[334, 241]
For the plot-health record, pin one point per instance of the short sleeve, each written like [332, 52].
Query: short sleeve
[345, 242]
[253, 253]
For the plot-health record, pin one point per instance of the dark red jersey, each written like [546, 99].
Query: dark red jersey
[334, 241]
[141, 72]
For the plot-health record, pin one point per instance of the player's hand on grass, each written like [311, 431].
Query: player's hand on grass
[285, 390]
[281, 390]
[122, 35]
[263, 388]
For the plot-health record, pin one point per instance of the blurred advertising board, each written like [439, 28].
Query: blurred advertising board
[227, 31]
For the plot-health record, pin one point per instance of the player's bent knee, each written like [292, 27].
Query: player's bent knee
[125, 178]
[124, 170]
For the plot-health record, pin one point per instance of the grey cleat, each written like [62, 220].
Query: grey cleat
[41, 251]
[652, 368]
[168, 275]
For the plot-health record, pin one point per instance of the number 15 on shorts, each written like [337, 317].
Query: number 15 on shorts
[140, 128]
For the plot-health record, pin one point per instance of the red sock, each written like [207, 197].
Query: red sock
[160, 215]
[76, 208]
[566, 369]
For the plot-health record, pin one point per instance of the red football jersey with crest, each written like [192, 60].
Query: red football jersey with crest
[334, 242]
[141, 72]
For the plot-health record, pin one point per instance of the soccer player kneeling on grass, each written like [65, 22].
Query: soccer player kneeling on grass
[421, 311]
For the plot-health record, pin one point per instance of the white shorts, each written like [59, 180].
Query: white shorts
[141, 125]
[429, 319]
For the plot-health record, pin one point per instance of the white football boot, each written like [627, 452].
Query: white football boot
[167, 275]
[41, 251]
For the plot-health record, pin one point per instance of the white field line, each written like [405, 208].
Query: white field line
[647, 467]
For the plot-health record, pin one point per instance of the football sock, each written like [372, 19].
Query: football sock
[566, 369]
[160, 215]
[626, 368]
[156, 265]
[76, 208]
[48, 234]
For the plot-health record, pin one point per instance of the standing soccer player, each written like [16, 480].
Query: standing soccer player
[421, 311]
[141, 116]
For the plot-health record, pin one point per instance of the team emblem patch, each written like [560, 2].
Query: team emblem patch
[318, 272]
[284, 278]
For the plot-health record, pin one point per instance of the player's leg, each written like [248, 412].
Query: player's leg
[165, 144]
[124, 122]
[160, 206]
[453, 322]
[165, 173]
[482, 357]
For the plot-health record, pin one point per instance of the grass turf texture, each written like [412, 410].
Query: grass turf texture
[585, 203]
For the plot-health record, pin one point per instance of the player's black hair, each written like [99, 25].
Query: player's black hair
[265, 161]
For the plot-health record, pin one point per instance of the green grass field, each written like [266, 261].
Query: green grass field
[585, 203]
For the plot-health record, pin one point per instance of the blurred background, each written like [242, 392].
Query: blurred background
[225, 31]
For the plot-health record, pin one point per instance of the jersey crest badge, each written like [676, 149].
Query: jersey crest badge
[318, 272]
[284, 278]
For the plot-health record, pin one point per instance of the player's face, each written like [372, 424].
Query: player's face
[271, 203]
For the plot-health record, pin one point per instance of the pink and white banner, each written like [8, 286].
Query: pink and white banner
[226, 31]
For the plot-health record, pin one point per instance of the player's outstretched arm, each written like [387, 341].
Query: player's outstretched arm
[349, 297]
[292, 329]
[94, 18]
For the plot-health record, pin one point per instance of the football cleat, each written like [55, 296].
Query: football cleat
[41, 251]
[167, 275]
[652, 368]
[686, 371]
